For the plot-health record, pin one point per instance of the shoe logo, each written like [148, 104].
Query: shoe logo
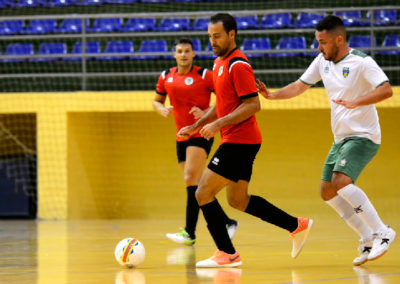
[385, 241]
[215, 161]
[234, 258]
[367, 249]
[358, 210]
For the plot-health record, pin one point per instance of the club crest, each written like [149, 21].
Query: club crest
[346, 71]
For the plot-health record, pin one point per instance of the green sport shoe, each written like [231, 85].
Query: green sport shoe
[181, 238]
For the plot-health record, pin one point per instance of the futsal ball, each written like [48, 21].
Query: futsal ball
[129, 252]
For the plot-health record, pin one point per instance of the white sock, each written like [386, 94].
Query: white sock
[362, 206]
[346, 212]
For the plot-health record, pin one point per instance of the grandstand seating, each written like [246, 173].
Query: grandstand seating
[153, 1]
[384, 17]
[290, 43]
[140, 25]
[72, 26]
[392, 40]
[173, 24]
[351, 18]
[18, 49]
[51, 48]
[155, 46]
[200, 24]
[120, 1]
[360, 41]
[7, 3]
[60, 3]
[255, 44]
[314, 45]
[30, 3]
[12, 27]
[117, 47]
[106, 25]
[247, 22]
[90, 2]
[308, 20]
[92, 47]
[42, 26]
[276, 21]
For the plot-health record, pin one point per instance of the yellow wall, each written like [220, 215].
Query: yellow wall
[108, 155]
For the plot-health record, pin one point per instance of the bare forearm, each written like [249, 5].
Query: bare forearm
[381, 93]
[290, 91]
[209, 116]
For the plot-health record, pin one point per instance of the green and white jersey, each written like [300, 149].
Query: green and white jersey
[355, 75]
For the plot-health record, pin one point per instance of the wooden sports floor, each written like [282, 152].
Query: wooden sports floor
[81, 251]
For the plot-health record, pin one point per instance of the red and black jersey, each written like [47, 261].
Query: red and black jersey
[186, 91]
[234, 81]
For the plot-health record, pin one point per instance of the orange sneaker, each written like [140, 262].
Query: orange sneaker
[300, 235]
[221, 259]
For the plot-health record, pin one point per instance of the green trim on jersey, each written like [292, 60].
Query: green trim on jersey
[382, 83]
[306, 83]
[359, 53]
[341, 58]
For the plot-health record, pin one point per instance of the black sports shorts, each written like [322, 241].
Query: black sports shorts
[196, 141]
[234, 161]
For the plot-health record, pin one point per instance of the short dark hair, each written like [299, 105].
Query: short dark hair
[183, 40]
[330, 23]
[228, 21]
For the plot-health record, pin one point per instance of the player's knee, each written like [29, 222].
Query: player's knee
[327, 191]
[238, 203]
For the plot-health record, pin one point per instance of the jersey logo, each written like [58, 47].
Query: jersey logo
[221, 70]
[189, 81]
[170, 80]
[346, 71]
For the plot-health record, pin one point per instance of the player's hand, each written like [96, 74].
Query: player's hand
[186, 131]
[197, 112]
[347, 104]
[262, 89]
[209, 130]
[166, 111]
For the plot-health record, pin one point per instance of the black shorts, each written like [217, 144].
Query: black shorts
[234, 161]
[196, 141]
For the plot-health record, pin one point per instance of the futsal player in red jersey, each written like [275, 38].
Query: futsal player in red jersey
[231, 166]
[189, 89]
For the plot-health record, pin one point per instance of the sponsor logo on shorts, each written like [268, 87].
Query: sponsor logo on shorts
[215, 161]
[342, 163]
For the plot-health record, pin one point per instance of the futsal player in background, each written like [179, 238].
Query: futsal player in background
[354, 83]
[231, 166]
[189, 89]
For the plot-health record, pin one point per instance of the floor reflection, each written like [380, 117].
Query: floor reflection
[220, 275]
[131, 276]
[367, 276]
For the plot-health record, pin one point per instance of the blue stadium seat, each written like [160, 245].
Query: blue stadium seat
[247, 22]
[92, 47]
[384, 17]
[90, 2]
[18, 49]
[392, 40]
[290, 43]
[360, 41]
[30, 3]
[106, 25]
[351, 18]
[61, 3]
[140, 25]
[276, 21]
[155, 46]
[153, 1]
[120, 1]
[187, 1]
[7, 4]
[42, 26]
[123, 46]
[314, 45]
[200, 24]
[12, 27]
[208, 48]
[174, 24]
[255, 44]
[50, 48]
[72, 26]
[308, 20]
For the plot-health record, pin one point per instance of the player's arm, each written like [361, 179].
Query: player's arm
[290, 91]
[159, 105]
[381, 93]
[208, 117]
[245, 110]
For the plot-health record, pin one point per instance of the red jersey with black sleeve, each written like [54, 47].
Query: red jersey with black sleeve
[234, 81]
[186, 91]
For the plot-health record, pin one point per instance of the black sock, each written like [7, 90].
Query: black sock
[214, 216]
[192, 211]
[266, 211]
